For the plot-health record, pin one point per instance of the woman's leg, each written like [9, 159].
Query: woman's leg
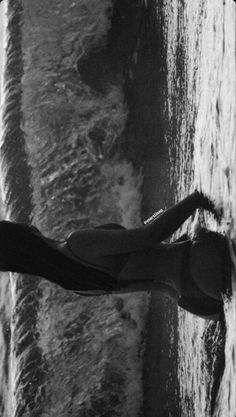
[163, 263]
[168, 222]
[92, 244]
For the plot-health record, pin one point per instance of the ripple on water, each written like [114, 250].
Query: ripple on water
[204, 116]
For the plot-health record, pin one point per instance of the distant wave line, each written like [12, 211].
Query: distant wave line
[13, 155]
[25, 355]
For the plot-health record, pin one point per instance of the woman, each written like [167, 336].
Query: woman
[108, 258]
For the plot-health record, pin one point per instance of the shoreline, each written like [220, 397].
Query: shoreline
[160, 359]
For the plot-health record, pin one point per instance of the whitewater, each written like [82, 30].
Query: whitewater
[206, 154]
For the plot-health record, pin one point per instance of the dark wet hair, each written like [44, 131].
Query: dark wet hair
[23, 249]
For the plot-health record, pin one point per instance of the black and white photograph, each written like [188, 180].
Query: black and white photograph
[117, 208]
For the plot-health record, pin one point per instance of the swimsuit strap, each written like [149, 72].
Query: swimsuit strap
[110, 226]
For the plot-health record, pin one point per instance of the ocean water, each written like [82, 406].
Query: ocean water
[200, 40]
[63, 354]
[85, 141]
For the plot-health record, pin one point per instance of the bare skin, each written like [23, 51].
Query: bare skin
[137, 257]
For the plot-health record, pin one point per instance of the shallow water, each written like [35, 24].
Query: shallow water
[201, 57]
[51, 345]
